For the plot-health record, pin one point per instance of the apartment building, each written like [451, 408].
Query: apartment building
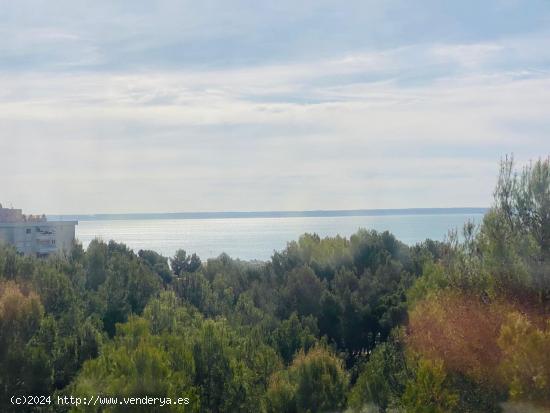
[34, 234]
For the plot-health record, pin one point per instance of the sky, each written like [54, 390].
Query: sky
[169, 106]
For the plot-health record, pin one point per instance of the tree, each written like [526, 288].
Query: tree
[302, 292]
[525, 363]
[315, 382]
[8, 262]
[25, 368]
[217, 376]
[330, 317]
[194, 288]
[157, 263]
[55, 289]
[524, 199]
[165, 314]
[382, 379]
[320, 379]
[96, 264]
[292, 335]
[516, 231]
[281, 394]
[20, 315]
[181, 262]
[428, 391]
[139, 364]
[459, 330]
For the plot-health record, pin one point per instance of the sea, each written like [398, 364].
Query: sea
[256, 236]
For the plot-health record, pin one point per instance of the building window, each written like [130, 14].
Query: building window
[29, 230]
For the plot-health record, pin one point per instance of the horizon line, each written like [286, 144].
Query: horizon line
[269, 214]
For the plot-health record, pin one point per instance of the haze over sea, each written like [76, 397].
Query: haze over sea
[256, 235]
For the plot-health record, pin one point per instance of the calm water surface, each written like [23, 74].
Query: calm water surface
[257, 238]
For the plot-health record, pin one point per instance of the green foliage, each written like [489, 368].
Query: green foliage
[301, 292]
[182, 263]
[55, 289]
[428, 391]
[370, 250]
[157, 263]
[255, 336]
[138, 364]
[325, 256]
[221, 378]
[315, 382]
[186, 357]
[165, 314]
[127, 287]
[464, 265]
[96, 264]
[517, 230]
[281, 394]
[24, 367]
[268, 315]
[294, 334]
[497, 289]
[331, 317]
[381, 380]
[476, 397]
[524, 199]
[355, 289]
[504, 252]
[433, 279]
[526, 361]
[195, 289]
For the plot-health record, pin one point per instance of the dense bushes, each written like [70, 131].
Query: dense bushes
[482, 312]
[315, 382]
[109, 321]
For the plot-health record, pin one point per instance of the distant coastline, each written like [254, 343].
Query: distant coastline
[269, 214]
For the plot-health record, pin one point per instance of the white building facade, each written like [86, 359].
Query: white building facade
[35, 235]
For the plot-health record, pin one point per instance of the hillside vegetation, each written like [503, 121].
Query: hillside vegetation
[328, 324]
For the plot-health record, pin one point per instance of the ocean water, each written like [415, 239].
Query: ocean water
[258, 238]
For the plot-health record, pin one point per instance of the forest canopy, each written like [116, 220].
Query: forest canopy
[359, 324]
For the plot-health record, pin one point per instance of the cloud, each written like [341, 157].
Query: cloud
[99, 120]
